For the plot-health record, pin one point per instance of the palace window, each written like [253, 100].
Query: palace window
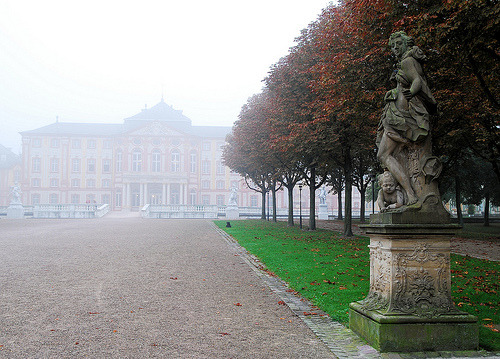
[106, 183]
[220, 200]
[35, 198]
[91, 143]
[75, 165]
[176, 161]
[119, 160]
[254, 201]
[220, 168]
[35, 164]
[90, 183]
[205, 184]
[206, 146]
[137, 161]
[220, 185]
[91, 165]
[118, 199]
[76, 143]
[53, 198]
[156, 161]
[205, 167]
[205, 200]
[75, 183]
[54, 165]
[106, 165]
[193, 160]
[192, 197]
[54, 143]
[106, 144]
[75, 198]
[35, 182]
[105, 199]
[54, 182]
[37, 142]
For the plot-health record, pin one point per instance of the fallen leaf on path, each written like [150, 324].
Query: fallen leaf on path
[238, 304]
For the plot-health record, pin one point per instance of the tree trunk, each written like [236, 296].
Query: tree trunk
[312, 200]
[362, 208]
[263, 214]
[339, 200]
[487, 210]
[290, 205]
[458, 201]
[348, 196]
[275, 218]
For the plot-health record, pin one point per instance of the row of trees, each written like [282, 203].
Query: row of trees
[317, 115]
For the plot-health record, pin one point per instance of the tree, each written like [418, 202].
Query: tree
[248, 151]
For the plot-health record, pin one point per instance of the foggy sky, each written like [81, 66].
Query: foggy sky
[103, 61]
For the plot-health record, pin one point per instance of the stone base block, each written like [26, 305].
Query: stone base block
[232, 213]
[323, 211]
[407, 333]
[15, 211]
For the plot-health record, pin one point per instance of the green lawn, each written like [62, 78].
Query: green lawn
[332, 271]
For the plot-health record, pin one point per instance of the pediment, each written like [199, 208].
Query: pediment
[156, 128]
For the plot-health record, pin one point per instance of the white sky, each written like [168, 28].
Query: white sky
[104, 60]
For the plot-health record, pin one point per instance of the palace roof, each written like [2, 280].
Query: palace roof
[161, 112]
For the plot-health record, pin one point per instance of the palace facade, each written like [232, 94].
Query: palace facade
[155, 157]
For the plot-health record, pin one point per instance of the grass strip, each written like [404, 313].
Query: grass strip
[332, 271]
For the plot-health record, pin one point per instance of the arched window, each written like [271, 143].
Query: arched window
[175, 165]
[137, 160]
[156, 161]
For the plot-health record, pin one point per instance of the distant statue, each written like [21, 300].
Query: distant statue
[390, 195]
[15, 192]
[233, 197]
[403, 136]
[322, 195]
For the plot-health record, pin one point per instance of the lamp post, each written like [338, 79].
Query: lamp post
[267, 205]
[373, 193]
[300, 204]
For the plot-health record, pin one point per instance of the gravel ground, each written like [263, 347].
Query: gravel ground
[135, 288]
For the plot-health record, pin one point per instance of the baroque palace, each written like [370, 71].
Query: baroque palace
[155, 157]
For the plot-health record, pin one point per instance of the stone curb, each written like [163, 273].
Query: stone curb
[342, 342]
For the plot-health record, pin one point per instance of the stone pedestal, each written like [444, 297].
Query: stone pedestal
[323, 211]
[409, 305]
[232, 212]
[15, 211]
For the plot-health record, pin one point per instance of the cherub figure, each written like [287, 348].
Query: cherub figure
[390, 195]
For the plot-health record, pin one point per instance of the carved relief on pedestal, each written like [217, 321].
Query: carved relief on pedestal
[421, 282]
[380, 270]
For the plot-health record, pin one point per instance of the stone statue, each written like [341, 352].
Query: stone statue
[390, 195]
[15, 192]
[322, 195]
[403, 136]
[233, 197]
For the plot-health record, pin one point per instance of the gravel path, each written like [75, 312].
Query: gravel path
[135, 288]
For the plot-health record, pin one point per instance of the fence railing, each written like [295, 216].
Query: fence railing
[70, 210]
[179, 211]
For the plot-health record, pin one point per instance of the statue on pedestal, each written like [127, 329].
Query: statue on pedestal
[15, 192]
[403, 136]
[322, 195]
[233, 198]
